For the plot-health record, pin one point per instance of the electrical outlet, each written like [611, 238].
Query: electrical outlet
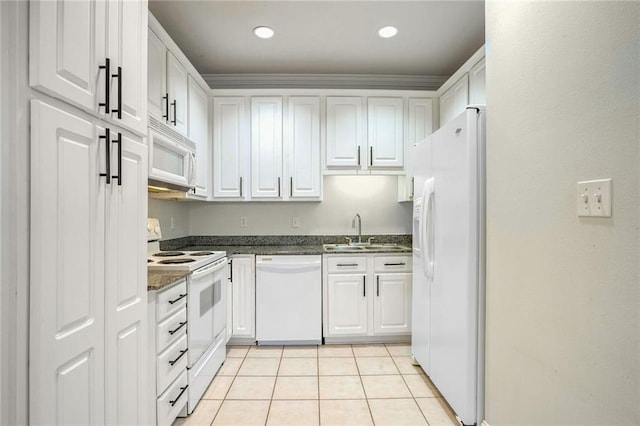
[243, 221]
[594, 198]
[295, 222]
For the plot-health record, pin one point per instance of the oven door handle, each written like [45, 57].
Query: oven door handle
[216, 266]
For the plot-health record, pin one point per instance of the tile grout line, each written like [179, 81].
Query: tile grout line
[275, 382]
[224, 398]
[407, 385]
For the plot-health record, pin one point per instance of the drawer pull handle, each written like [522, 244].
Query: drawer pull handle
[395, 264]
[172, 363]
[182, 296]
[347, 264]
[173, 402]
[172, 332]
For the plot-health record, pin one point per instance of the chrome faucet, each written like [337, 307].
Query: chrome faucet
[353, 225]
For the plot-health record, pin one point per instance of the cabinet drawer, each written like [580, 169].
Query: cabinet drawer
[170, 329]
[347, 264]
[171, 300]
[172, 401]
[392, 263]
[170, 363]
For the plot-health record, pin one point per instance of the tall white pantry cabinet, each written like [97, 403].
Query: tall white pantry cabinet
[88, 294]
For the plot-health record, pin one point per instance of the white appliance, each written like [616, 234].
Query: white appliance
[288, 300]
[206, 308]
[172, 158]
[448, 261]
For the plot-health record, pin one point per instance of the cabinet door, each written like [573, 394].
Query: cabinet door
[345, 131]
[177, 88]
[157, 84]
[67, 46]
[392, 304]
[419, 126]
[127, 48]
[477, 84]
[229, 302]
[385, 132]
[266, 147]
[346, 305]
[454, 100]
[125, 295]
[303, 147]
[66, 361]
[198, 133]
[230, 148]
[244, 296]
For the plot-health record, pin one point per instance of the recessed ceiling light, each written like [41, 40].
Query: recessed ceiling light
[263, 32]
[387, 32]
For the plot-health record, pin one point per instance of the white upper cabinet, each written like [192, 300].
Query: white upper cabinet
[230, 148]
[345, 132]
[198, 129]
[385, 132]
[303, 147]
[454, 101]
[157, 80]
[477, 84]
[266, 147]
[419, 126]
[92, 55]
[177, 91]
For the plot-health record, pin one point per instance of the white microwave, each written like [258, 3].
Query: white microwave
[172, 158]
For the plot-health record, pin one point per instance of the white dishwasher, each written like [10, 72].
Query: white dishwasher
[289, 300]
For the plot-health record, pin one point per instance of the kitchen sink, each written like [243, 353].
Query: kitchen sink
[360, 248]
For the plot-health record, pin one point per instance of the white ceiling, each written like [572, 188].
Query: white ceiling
[324, 37]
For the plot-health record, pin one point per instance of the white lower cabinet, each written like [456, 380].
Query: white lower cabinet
[88, 295]
[366, 296]
[243, 294]
[167, 352]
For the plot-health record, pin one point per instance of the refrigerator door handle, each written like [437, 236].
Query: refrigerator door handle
[426, 228]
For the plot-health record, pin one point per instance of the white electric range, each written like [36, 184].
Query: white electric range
[206, 307]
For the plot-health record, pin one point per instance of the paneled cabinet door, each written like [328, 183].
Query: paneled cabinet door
[385, 132]
[244, 296]
[347, 306]
[477, 84]
[67, 366]
[127, 46]
[67, 49]
[303, 147]
[198, 133]
[392, 303]
[266, 147]
[454, 100]
[177, 88]
[419, 126]
[157, 85]
[345, 132]
[125, 294]
[230, 148]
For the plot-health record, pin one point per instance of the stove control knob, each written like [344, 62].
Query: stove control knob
[149, 227]
[156, 229]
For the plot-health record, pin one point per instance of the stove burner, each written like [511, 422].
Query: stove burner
[168, 253]
[176, 261]
[201, 253]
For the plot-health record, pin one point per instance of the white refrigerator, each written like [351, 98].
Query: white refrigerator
[448, 261]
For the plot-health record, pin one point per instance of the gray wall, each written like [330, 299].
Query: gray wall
[164, 210]
[562, 291]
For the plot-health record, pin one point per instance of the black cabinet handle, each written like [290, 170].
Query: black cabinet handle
[107, 79]
[173, 402]
[166, 107]
[119, 175]
[172, 332]
[412, 187]
[395, 264]
[107, 144]
[175, 112]
[240, 186]
[347, 264]
[378, 285]
[371, 156]
[278, 186]
[182, 296]
[172, 363]
[364, 286]
[231, 270]
[291, 187]
[119, 109]
[358, 155]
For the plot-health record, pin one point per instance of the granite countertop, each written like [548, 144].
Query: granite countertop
[261, 249]
[157, 280]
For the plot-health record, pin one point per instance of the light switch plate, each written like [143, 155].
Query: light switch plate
[594, 198]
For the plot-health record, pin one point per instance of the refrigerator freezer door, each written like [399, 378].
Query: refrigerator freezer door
[454, 291]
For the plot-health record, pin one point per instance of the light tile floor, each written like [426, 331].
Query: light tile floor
[321, 385]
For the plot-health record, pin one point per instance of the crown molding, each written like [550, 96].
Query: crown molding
[323, 81]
